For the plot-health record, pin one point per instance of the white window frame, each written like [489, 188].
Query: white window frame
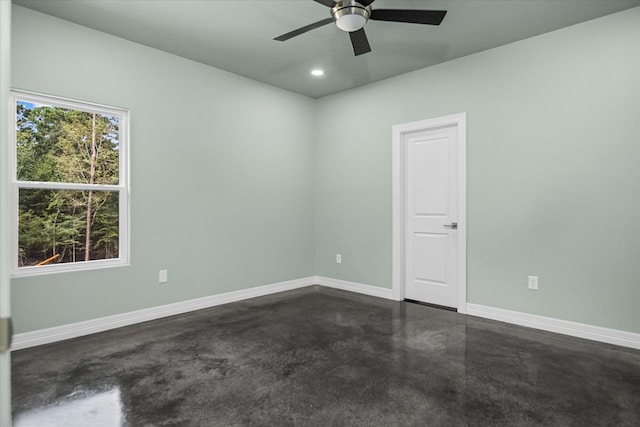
[122, 187]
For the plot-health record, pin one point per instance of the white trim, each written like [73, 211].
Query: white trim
[5, 203]
[123, 188]
[62, 102]
[398, 200]
[32, 270]
[68, 186]
[359, 288]
[73, 330]
[574, 329]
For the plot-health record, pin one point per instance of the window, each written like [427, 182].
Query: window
[69, 183]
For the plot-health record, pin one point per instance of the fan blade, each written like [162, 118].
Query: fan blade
[359, 42]
[365, 3]
[328, 3]
[430, 17]
[304, 29]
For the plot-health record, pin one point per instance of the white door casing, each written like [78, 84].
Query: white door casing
[5, 239]
[429, 194]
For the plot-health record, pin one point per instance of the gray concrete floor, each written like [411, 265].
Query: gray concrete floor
[322, 357]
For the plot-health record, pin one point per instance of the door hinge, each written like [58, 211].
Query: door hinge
[6, 333]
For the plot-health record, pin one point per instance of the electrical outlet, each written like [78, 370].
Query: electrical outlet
[163, 276]
[533, 283]
[338, 258]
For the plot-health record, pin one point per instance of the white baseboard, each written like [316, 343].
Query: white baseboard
[359, 288]
[73, 330]
[580, 330]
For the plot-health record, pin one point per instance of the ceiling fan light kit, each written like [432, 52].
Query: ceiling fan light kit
[351, 16]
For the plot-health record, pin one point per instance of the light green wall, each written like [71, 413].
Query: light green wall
[229, 177]
[553, 134]
[222, 180]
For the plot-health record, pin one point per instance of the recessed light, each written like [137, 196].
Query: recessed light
[317, 72]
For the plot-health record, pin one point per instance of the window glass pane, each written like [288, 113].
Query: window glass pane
[55, 223]
[65, 145]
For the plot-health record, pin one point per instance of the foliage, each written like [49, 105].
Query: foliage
[66, 146]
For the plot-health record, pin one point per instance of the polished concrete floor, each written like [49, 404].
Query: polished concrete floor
[322, 357]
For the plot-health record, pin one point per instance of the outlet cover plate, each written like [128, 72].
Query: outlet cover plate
[163, 276]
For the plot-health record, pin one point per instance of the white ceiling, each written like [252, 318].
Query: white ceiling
[237, 35]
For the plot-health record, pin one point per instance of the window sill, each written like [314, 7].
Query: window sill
[68, 267]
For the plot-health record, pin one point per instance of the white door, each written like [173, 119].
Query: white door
[431, 215]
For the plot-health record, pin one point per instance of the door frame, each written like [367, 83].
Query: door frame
[398, 194]
[5, 224]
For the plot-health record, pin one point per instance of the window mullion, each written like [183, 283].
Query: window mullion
[67, 186]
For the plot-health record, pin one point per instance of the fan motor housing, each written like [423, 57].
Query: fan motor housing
[350, 15]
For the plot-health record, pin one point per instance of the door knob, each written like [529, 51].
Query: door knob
[453, 226]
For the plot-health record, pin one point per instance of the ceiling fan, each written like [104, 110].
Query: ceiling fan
[352, 15]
